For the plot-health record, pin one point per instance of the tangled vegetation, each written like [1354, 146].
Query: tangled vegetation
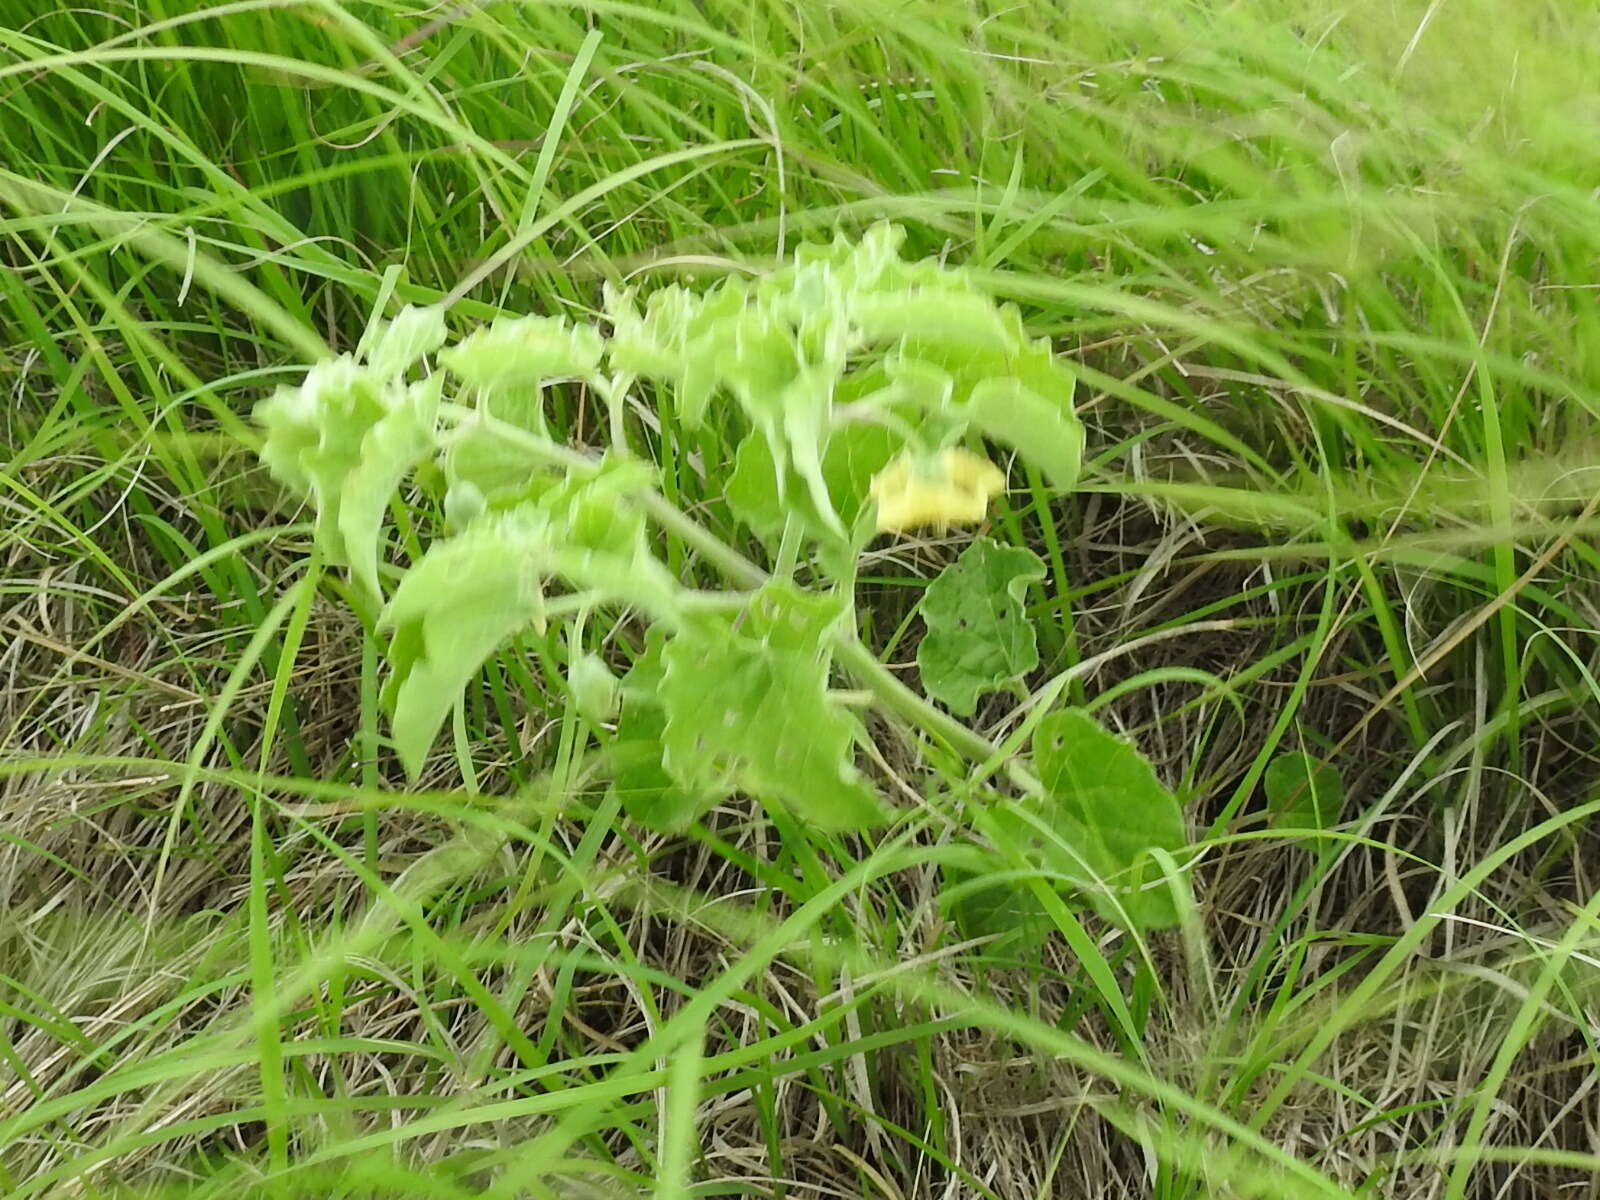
[896, 599]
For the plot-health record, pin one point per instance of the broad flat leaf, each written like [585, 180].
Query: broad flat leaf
[450, 613]
[747, 710]
[526, 351]
[1044, 432]
[1303, 792]
[1012, 389]
[978, 636]
[346, 437]
[1111, 810]
[648, 792]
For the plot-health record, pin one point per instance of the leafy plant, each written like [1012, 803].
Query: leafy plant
[861, 383]
[747, 708]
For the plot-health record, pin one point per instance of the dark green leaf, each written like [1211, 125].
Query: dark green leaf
[1303, 792]
[1110, 812]
[978, 636]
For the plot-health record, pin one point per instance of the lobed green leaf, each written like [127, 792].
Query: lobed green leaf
[747, 709]
[978, 636]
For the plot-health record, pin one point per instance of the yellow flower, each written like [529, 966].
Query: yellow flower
[954, 486]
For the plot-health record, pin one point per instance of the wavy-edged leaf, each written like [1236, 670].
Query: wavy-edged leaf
[399, 344]
[747, 709]
[854, 455]
[471, 592]
[346, 437]
[451, 612]
[680, 337]
[524, 351]
[1044, 432]
[647, 790]
[978, 636]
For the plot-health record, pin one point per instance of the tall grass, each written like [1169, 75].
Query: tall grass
[1327, 274]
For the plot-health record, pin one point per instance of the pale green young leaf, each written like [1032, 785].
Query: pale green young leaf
[978, 636]
[1013, 389]
[399, 344]
[1303, 792]
[793, 416]
[854, 454]
[1044, 432]
[524, 352]
[1109, 811]
[681, 338]
[647, 790]
[752, 490]
[949, 314]
[347, 437]
[391, 448]
[595, 540]
[471, 592]
[747, 709]
[844, 267]
[481, 468]
[596, 692]
[450, 613]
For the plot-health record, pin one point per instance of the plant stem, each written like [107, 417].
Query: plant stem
[895, 696]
